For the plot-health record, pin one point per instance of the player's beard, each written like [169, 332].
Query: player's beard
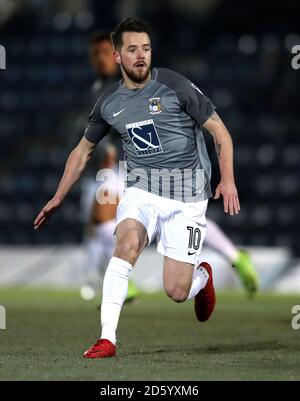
[136, 76]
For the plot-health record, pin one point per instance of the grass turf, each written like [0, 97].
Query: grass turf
[47, 332]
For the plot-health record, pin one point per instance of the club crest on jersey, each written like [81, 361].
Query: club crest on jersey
[155, 105]
[144, 137]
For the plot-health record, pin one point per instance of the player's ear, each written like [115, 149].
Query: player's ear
[117, 57]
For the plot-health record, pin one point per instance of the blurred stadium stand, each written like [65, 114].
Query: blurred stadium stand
[244, 67]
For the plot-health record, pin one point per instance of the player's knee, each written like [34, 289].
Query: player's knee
[177, 294]
[127, 248]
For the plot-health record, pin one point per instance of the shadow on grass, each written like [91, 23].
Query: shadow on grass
[221, 349]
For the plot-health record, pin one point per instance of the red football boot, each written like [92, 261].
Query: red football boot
[102, 349]
[205, 300]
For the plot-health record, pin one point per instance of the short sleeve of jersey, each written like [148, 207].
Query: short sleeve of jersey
[193, 101]
[97, 127]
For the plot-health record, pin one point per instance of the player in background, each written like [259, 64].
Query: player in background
[159, 115]
[239, 259]
[107, 72]
[99, 219]
[102, 63]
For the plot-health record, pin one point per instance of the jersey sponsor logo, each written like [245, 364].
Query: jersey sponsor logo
[155, 105]
[144, 137]
[196, 88]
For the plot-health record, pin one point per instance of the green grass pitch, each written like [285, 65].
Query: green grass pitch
[48, 331]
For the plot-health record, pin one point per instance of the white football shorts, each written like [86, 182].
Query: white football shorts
[179, 227]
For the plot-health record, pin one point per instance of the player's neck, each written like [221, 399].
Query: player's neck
[135, 85]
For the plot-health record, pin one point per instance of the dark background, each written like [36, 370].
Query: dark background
[239, 54]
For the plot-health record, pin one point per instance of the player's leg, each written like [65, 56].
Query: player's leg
[107, 236]
[180, 240]
[181, 281]
[241, 261]
[131, 238]
[133, 292]
[216, 239]
[105, 239]
[94, 250]
[99, 247]
[136, 227]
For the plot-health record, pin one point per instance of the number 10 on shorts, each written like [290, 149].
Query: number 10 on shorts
[194, 237]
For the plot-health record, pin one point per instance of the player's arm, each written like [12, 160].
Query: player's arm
[75, 165]
[224, 149]
[96, 130]
[200, 107]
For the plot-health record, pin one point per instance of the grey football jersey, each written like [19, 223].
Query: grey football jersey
[160, 127]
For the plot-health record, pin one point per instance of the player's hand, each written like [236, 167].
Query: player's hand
[230, 197]
[47, 212]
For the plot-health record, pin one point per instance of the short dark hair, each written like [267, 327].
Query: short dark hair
[128, 25]
[99, 36]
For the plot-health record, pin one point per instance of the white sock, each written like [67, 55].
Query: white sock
[200, 277]
[217, 239]
[115, 287]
